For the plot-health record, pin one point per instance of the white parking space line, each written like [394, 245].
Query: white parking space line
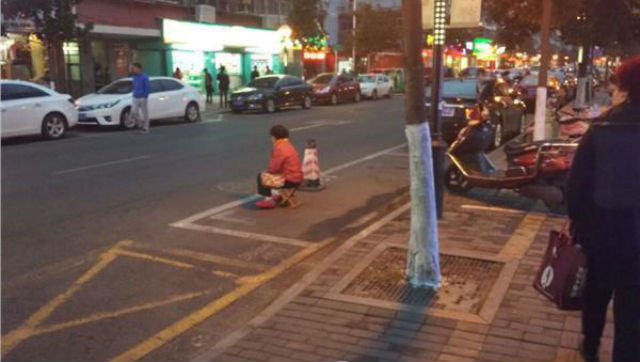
[307, 127]
[491, 208]
[219, 209]
[246, 235]
[214, 120]
[103, 164]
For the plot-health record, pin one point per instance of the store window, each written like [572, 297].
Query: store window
[72, 60]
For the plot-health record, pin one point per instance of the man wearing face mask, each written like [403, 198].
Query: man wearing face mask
[603, 199]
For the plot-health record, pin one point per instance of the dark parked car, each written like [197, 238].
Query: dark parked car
[272, 92]
[528, 85]
[507, 113]
[333, 88]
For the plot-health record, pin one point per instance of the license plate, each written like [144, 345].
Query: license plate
[238, 103]
[448, 111]
[82, 116]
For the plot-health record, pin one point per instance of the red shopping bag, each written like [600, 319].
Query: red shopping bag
[563, 272]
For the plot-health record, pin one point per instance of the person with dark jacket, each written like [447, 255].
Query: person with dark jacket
[208, 85]
[223, 86]
[284, 163]
[603, 199]
[255, 74]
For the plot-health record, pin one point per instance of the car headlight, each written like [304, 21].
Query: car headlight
[107, 105]
[324, 90]
[255, 97]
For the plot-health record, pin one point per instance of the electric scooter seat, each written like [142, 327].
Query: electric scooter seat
[512, 149]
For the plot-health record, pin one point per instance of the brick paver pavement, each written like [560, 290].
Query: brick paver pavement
[311, 326]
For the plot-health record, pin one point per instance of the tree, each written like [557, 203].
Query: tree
[55, 23]
[305, 19]
[377, 30]
[518, 21]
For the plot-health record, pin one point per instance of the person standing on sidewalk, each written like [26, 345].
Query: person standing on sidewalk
[208, 85]
[223, 86]
[177, 73]
[268, 71]
[139, 108]
[603, 199]
[255, 74]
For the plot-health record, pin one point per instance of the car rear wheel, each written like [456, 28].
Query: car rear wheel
[356, 97]
[269, 106]
[126, 121]
[306, 102]
[374, 94]
[54, 126]
[192, 112]
[497, 135]
[334, 99]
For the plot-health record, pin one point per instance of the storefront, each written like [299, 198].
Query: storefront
[192, 47]
[22, 54]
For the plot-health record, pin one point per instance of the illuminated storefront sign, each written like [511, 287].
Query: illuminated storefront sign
[315, 55]
[481, 46]
[215, 37]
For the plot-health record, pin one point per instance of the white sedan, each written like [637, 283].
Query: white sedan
[31, 109]
[168, 97]
[375, 85]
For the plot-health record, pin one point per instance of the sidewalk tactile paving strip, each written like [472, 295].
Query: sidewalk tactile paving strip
[466, 282]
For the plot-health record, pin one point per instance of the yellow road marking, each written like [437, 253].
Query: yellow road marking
[154, 258]
[13, 338]
[116, 313]
[217, 259]
[224, 274]
[197, 317]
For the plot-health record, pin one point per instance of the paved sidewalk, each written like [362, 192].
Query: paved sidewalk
[353, 306]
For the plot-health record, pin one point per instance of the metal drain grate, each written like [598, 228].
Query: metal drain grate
[466, 282]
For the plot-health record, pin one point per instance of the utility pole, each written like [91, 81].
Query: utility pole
[423, 259]
[540, 117]
[353, 35]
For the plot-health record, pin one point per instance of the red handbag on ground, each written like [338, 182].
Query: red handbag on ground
[563, 272]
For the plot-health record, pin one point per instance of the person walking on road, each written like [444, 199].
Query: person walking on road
[139, 108]
[208, 85]
[285, 169]
[603, 199]
[255, 74]
[223, 86]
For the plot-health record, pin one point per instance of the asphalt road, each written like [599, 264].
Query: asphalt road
[95, 260]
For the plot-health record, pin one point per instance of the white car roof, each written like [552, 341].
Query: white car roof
[30, 84]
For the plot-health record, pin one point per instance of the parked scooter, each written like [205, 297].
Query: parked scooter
[573, 124]
[543, 179]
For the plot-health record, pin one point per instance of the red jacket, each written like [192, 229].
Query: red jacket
[285, 160]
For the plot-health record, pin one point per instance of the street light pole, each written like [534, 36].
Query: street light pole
[423, 261]
[540, 118]
[353, 35]
[438, 145]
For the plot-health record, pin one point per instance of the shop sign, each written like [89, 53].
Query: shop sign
[463, 13]
[482, 46]
[215, 37]
[315, 55]
[18, 25]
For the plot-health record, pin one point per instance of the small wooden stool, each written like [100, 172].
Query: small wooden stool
[289, 198]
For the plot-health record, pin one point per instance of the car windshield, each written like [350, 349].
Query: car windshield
[367, 79]
[119, 87]
[264, 82]
[458, 88]
[322, 79]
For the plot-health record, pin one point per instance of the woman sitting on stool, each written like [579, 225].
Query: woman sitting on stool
[285, 170]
